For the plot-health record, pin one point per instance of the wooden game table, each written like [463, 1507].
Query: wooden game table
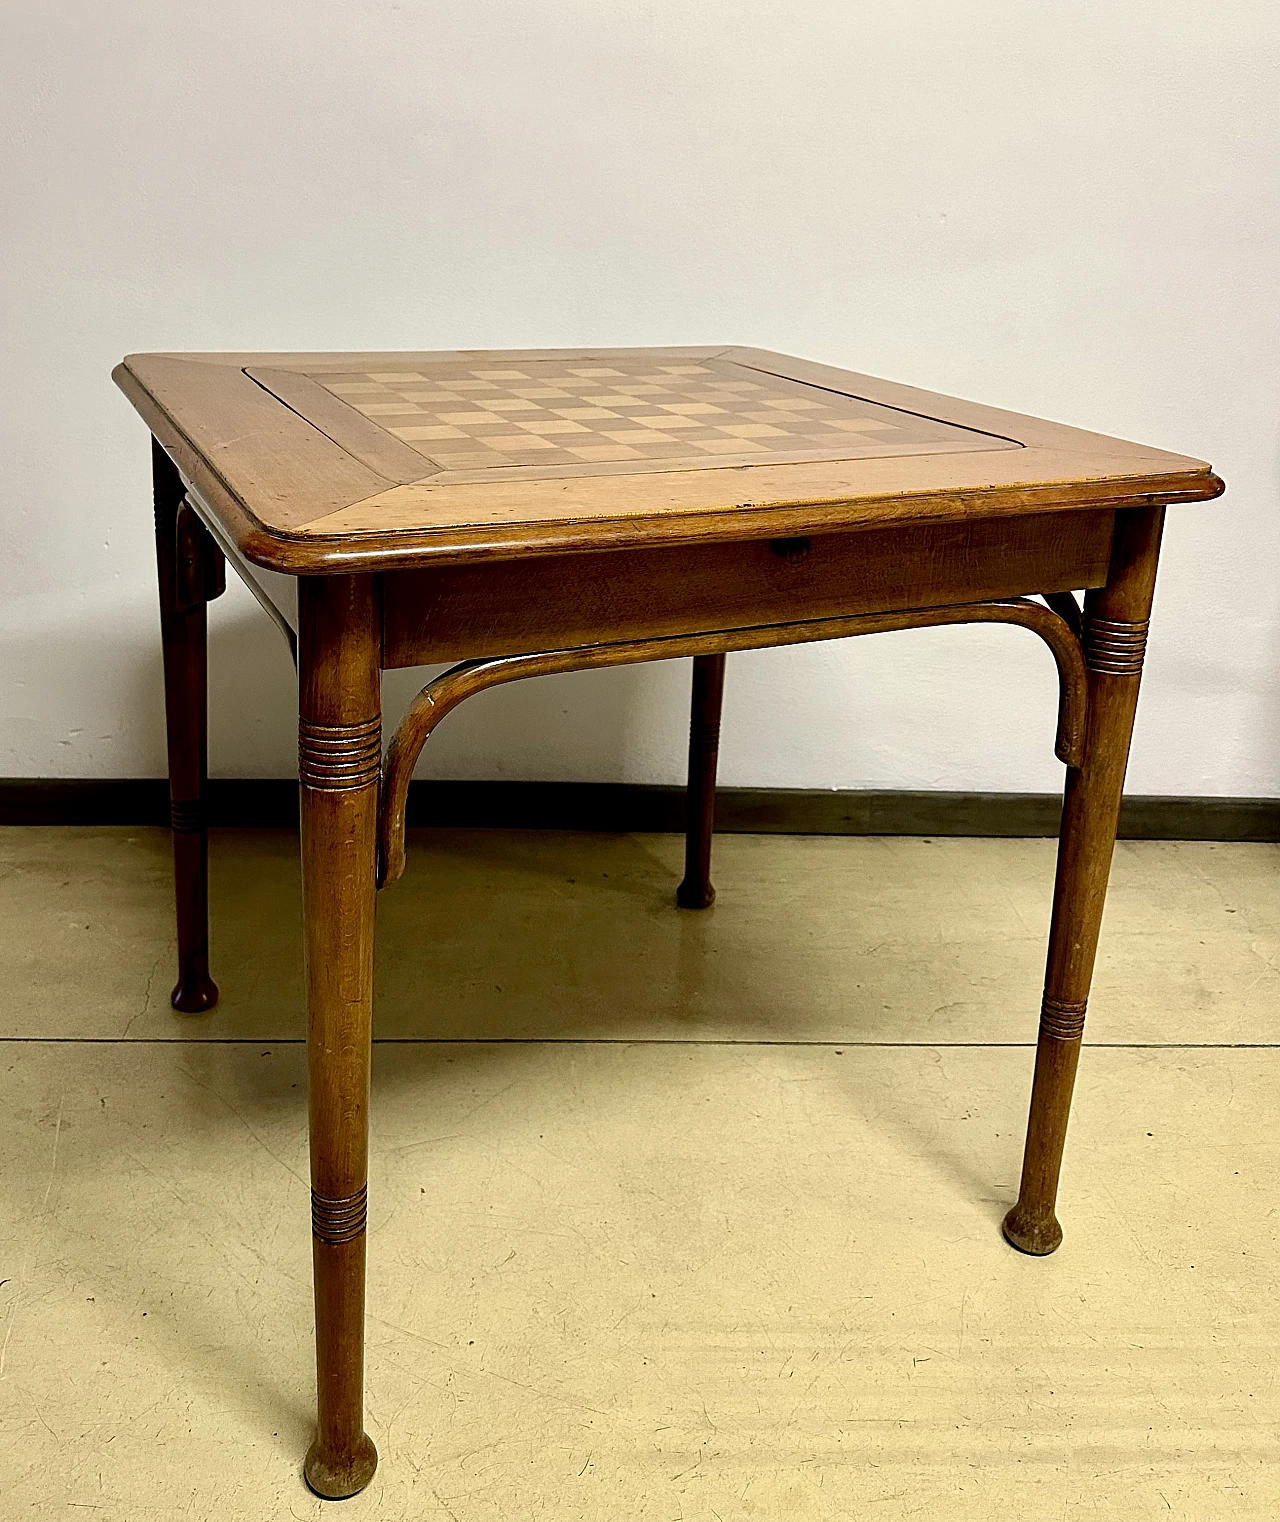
[524, 512]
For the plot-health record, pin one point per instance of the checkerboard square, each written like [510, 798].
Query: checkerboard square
[435, 431]
[603, 452]
[518, 442]
[554, 426]
[726, 446]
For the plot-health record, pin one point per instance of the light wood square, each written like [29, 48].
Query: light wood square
[604, 452]
[554, 426]
[434, 431]
[518, 442]
[725, 446]
[860, 425]
[638, 436]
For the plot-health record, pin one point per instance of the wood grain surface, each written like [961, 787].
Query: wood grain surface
[452, 612]
[360, 462]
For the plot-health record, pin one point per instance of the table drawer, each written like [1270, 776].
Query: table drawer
[514, 606]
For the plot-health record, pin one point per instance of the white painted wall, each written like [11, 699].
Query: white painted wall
[1069, 210]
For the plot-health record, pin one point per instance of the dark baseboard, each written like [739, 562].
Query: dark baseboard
[621, 806]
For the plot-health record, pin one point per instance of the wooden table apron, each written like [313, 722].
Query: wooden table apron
[619, 596]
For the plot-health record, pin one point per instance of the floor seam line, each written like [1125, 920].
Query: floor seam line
[1115, 1046]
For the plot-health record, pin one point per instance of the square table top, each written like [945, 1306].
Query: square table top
[325, 462]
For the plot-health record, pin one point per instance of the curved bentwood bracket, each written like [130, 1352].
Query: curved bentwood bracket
[1054, 625]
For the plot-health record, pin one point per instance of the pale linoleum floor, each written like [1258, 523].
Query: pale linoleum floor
[672, 1216]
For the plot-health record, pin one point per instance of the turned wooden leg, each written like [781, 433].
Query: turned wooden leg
[339, 751]
[191, 571]
[696, 892]
[1115, 637]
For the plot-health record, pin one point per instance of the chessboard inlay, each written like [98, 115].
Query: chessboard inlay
[583, 417]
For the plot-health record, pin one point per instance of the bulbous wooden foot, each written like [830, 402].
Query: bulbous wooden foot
[335, 1476]
[193, 994]
[1037, 1237]
[695, 893]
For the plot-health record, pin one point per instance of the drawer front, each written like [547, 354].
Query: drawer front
[512, 607]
